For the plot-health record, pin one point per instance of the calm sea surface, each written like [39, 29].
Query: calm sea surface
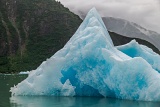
[6, 81]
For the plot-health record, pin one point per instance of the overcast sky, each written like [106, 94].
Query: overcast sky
[143, 12]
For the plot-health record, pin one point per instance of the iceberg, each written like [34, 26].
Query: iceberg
[90, 65]
[24, 72]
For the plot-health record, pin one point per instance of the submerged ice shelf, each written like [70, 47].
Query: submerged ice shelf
[90, 65]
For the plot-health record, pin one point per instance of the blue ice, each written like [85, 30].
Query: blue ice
[133, 49]
[90, 65]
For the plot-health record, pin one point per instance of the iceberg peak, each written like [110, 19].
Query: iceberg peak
[92, 24]
[90, 65]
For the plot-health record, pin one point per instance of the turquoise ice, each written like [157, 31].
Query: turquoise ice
[90, 65]
[133, 49]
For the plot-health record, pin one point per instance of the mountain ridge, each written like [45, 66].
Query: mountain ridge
[130, 29]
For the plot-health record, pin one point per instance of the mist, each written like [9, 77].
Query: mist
[143, 12]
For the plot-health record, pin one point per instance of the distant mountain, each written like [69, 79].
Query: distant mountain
[31, 31]
[133, 30]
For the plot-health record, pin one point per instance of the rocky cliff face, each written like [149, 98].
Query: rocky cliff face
[31, 31]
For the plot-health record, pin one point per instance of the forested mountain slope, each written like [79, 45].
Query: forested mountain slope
[31, 31]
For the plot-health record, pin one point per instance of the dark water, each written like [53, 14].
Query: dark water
[6, 81]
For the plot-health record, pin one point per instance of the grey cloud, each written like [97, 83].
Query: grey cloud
[144, 12]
